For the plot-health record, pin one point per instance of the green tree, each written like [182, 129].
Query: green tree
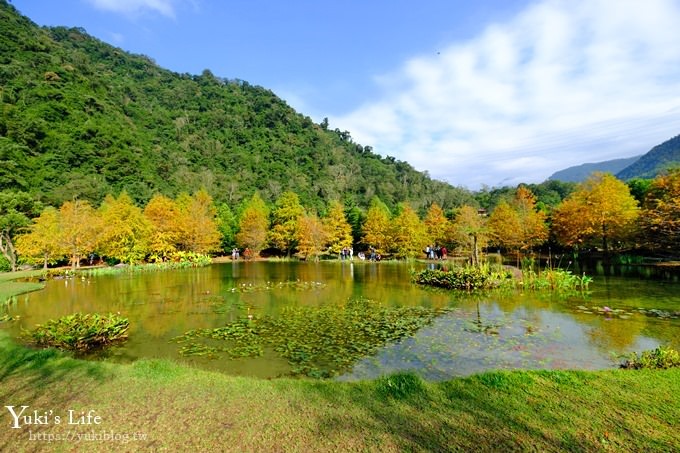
[286, 216]
[42, 242]
[408, 233]
[125, 232]
[16, 211]
[227, 226]
[601, 210]
[339, 231]
[377, 226]
[253, 225]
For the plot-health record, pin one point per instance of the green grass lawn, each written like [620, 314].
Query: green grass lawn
[172, 407]
[10, 287]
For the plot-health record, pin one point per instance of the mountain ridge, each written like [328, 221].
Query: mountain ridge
[657, 160]
[579, 173]
[82, 118]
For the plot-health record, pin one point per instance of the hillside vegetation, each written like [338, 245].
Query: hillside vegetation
[658, 160]
[580, 173]
[81, 118]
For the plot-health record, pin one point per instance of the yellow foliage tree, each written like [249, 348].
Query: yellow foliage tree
[471, 232]
[518, 225]
[376, 229]
[601, 210]
[125, 232]
[253, 225]
[437, 225]
[166, 229]
[80, 227]
[408, 234]
[339, 231]
[312, 237]
[42, 242]
[198, 223]
[286, 216]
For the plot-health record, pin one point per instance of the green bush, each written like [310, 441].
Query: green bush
[659, 358]
[4, 264]
[467, 278]
[80, 332]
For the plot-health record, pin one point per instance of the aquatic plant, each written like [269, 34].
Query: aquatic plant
[554, 279]
[659, 358]
[318, 342]
[80, 332]
[465, 277]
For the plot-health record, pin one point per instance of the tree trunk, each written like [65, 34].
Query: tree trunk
[475, 251]
[7, 249]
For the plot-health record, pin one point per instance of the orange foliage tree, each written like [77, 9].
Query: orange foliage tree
[660, 218]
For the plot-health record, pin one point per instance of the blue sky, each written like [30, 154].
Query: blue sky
[475, 92]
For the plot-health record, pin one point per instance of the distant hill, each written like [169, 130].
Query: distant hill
[81, 118]
[580, 173]
[658, 159]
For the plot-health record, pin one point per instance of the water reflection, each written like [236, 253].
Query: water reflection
[509, 330]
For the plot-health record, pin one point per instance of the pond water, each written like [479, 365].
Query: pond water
[628, 311]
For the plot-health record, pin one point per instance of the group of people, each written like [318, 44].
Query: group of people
[236, 254]
[347, 253]
[435, 252]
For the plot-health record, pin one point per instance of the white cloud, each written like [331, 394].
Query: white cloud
[164, 7]
[563, 83]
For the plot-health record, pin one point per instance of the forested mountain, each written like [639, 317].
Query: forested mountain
[580, 173]
[81, 118]
[658, 159]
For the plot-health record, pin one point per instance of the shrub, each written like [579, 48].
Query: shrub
[81, 332]
[468, 278]
[4, 264]
[659, 358]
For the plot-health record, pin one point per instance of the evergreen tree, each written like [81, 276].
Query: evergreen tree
[227, 226]
[16, 211]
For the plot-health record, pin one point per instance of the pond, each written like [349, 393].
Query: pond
[458, 334]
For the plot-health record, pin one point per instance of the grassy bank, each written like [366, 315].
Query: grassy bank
[9, 286]
[176, 408]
